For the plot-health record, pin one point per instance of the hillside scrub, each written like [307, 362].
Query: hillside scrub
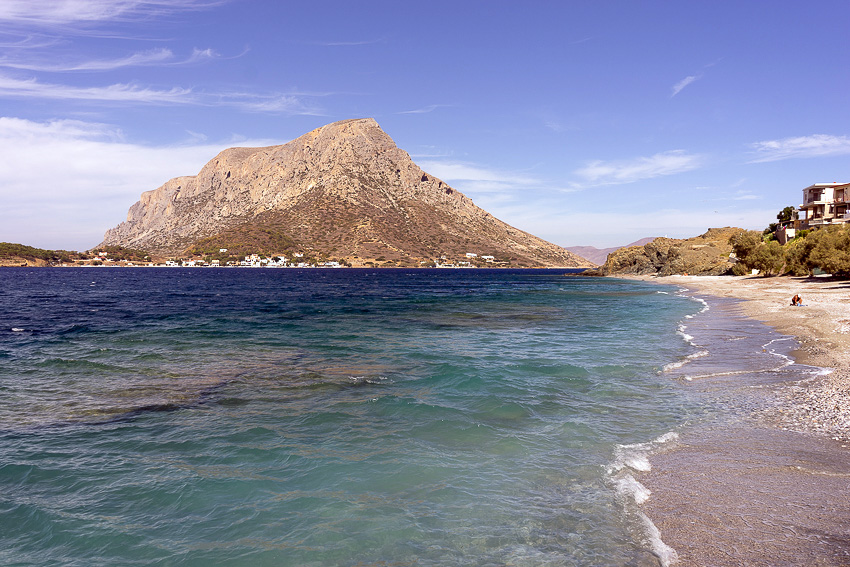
[12, 250]
[826, 248]
[121, 253]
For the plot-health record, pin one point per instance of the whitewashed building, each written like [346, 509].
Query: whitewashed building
[824, 204]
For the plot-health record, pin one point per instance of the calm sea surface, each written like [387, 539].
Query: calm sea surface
[334, 417]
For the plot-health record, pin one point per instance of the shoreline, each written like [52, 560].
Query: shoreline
[821, 328]
[769, 487]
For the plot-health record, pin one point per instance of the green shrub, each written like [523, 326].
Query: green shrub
[830, 250]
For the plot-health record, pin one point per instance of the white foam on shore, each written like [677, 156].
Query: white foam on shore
[680, 363]
[666, 555]
[788, 361]
[682, 327]
[688, 338]
[682, 292]
[682, 332]
[703, 310]
[635, 457]
[628, 487]
[821, 371]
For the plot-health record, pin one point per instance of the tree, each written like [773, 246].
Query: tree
[744, 243]
[768, 258]
[787, 214]
[784, 217]
[830, 250]
[797, 255]
[753, 253]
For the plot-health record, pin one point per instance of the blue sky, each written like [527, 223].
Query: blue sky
[583, 122]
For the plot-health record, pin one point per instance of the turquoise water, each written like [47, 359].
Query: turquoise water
[329, 417]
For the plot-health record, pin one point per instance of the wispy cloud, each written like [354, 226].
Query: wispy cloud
[817, 145]
[200, 55]
[151, 57]
[12, 87]
[476, 179]
[67, 181]
[275, 103]
[677, 88]
[424, 110]
[29, 41]
[554, 126]
[628, 171]
[52, 13]
[159, 57]
[135, 94]
[354, 43]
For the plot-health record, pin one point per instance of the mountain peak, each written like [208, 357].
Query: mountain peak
[344, 189]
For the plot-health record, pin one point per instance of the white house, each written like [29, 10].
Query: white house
[824, 204]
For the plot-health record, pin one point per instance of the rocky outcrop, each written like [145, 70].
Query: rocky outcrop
[20, 262]
[344, 189]
[707, 254]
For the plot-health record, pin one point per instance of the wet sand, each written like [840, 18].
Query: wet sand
[773, 487]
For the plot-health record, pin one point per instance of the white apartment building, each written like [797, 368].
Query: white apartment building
[823, 204]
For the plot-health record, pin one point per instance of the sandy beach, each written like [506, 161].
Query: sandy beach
[774, 487]
[821, 326]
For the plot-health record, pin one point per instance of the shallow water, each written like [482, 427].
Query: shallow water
[738, 487]
[332, 417]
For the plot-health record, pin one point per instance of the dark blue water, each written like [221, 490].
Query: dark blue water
[328, 417]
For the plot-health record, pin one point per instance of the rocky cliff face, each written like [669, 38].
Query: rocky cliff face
[344, 189]
[707, 254]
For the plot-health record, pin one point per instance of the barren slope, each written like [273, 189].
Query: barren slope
[344, 190]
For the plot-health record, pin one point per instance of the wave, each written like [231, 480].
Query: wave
[683, 361]
[631, 493]
[785, 362]
[688, 338]
[683, 292]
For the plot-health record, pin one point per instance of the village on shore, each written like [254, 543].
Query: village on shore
[18, 255]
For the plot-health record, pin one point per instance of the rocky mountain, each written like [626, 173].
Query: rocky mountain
[344, 190]
[707, 254]
[599, 255]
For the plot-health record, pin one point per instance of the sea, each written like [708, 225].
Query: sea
[353, 417]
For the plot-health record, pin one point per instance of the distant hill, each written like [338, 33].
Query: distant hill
[599, 255]
[12, 254]
[343, 191]
[706, 254]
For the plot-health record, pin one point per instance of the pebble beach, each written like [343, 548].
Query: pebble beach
[774, 487]
[822, 328]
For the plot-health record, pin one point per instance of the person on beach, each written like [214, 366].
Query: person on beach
[796, 301]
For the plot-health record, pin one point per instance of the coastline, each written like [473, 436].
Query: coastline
[770, 487]
[821, 327]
